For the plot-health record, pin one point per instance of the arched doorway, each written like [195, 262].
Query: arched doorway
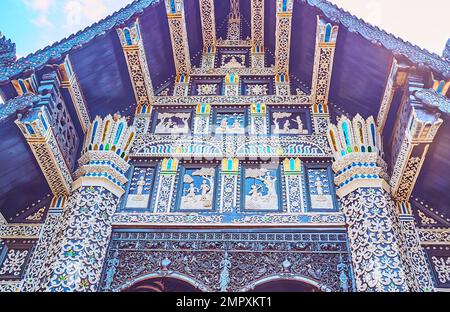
[161, 284]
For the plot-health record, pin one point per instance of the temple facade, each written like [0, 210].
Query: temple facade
[225, 145]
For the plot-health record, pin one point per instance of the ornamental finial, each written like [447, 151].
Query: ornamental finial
[7, 51]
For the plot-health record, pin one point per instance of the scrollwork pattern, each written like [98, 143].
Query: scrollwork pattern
[85, 240]
[374, 240]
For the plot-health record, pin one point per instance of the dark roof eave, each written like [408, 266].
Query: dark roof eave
[58, 50]
[376, 35]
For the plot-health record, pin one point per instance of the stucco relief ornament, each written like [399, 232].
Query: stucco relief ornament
[207, 89]
[14, 262]
[442, 267]
[257, 89]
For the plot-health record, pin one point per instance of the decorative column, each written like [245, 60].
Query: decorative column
[87, 216]
[413, 133]
[201, 119]
[48, 129]
[166, 185]
[229, 185]
[208, 33]
[373, 226]
[258, 119]
[69, 81]
[181, 87]
[257, 23]
[292, 169]
[134, 52]
[39, 269]
[231, 85]
[178, 35]
[419, 275]
[326, 37]
[283, 36]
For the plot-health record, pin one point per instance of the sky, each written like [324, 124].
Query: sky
[34, 24]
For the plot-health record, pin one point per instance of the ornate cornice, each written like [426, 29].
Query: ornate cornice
[148, 145]
[434, 236]
[431, 99]
[11, 231]
[232, 100]
[18, 103]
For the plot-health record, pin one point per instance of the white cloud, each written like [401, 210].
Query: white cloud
[42, 21]
[39, 5]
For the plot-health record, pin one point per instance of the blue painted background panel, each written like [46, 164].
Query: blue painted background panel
[21, 182]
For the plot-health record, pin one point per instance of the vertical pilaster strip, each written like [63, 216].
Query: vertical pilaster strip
[326, 37]
[234, 21]
[229, 185]
[70, 81]
[371, 216]
[232, 85]
[258, 119]
[88, 214]
[178, 35]
[283, 36]
[134, 52]
[292, 169]
[166, 185]
[208, 21]
[257, 24]
[414, 131]
[201, 119]
[419, 277]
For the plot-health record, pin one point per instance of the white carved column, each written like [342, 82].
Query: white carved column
[87, 216]
[373, 224]
[166, 185]
[258, 119]
[292, 169]
[229, 185]
[232, 85]
[202, 119]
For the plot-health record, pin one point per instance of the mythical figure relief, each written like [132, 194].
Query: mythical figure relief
[261, 189]
[257, 89]
[319, 189]
[173, 123]
[287, 123]
[198, 189]
[140, 188]
[230, 123]
[207, 89]
[233, 61]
